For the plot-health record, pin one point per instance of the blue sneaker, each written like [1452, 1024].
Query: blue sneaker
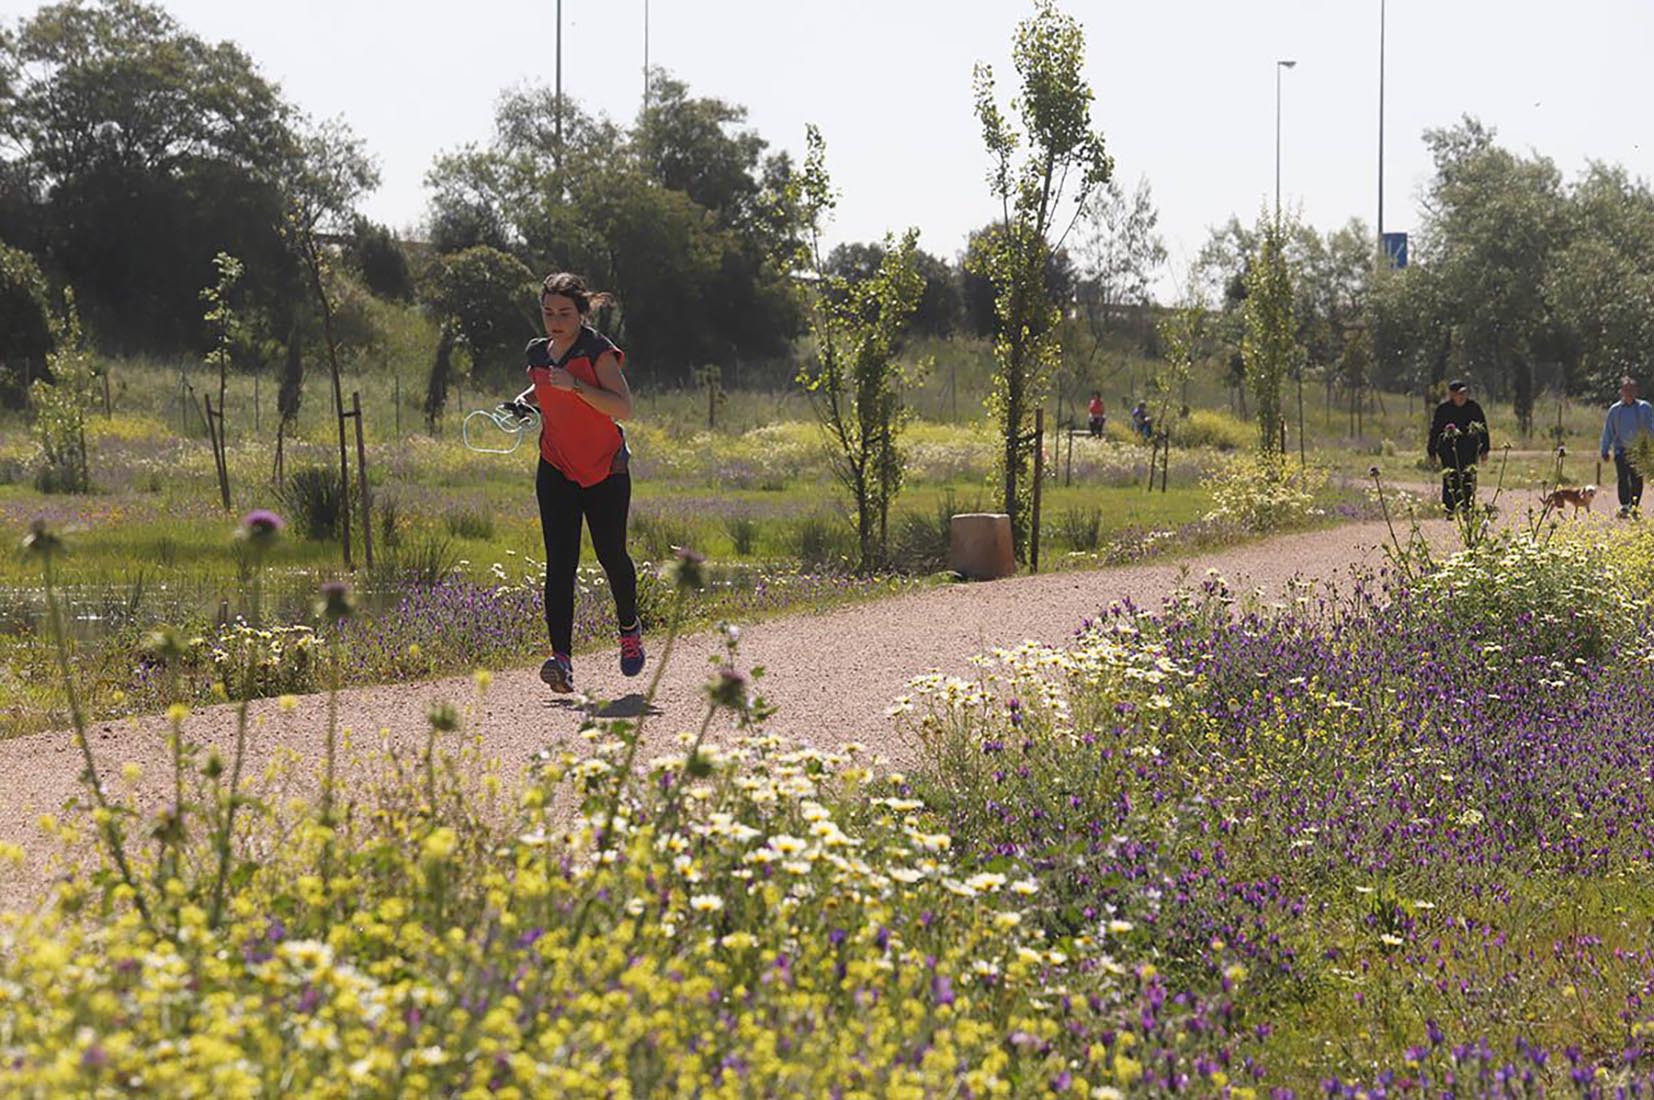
[558, 673]
[631, 650]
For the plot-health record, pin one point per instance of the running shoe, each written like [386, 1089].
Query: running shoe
[558, 673]
[631, 650]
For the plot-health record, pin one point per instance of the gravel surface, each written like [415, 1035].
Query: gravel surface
[832, 675]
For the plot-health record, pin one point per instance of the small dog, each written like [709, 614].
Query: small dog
[1579, 498]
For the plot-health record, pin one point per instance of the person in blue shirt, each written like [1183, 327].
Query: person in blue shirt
[1628, 418]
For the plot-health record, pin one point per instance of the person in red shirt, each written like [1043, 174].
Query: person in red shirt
[577, 384]
[1097, 414]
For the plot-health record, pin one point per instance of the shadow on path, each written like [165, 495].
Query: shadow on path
[633, 705]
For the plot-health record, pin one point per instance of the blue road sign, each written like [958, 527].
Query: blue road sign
[1395, 248]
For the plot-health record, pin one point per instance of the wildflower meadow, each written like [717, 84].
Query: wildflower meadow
[1390, 841]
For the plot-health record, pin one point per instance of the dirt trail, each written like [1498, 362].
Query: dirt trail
[832, 675]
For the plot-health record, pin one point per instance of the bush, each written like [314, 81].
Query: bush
[470, 523]
[1080, 528]
[1262, 495]
[426, 561]
[658, 537]
[1210, 428]
[923, 541]
[825, 545]
[313, 502]
[1556, 586]
[743, 533]
[254, 664]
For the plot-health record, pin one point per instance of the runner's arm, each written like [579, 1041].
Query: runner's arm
[611, 396]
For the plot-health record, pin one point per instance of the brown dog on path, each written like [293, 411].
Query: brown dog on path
[1579, 498]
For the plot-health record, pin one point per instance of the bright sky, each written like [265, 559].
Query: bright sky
[1185, 89]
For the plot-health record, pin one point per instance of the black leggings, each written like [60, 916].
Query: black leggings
[604, 506]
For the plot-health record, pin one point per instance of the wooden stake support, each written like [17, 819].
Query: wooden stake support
[362, 478]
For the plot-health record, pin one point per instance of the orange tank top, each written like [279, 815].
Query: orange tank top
[574, 437]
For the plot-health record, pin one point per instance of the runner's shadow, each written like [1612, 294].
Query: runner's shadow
[627, 706]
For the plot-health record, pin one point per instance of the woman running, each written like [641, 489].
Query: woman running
[581, 393]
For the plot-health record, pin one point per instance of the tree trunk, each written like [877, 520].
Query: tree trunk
[314, 266]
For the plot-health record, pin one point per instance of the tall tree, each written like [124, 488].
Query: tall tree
[854, 383]
[147, 151]
[1492, 221]
[680, 218]
[26, 336]
[1120, 253]
[1041, 197]
[1270, 344]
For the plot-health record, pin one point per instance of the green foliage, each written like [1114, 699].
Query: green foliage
[1263, 493]
[743, 534]
[377, 257]
[442, 373]
[313, 503]
[1211, 428]
[25, 323]
[1579, 603]
[149, 150]
[1080, 528]
[923, 541]
[491, 296]
[1269, 345]
[60, 410]
[1121, 250]
[226, 329]
[824, 545]
[290, 387]
[855, 385]
[470, 523]
[1181, 330]
[681, 219]
[659, 536]
[1062, 152]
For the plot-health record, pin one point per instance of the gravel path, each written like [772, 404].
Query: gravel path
[832, 675]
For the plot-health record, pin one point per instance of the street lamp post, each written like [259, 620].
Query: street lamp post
[1381, 128]
[1279, 65]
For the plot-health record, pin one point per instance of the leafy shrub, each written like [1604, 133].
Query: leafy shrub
[824, 544]
[426, 560]
[1263, 495]
[1556, 586]
[923, 541]
[470, 523]
[313, 502]
[255, 663]
[1080, 528]
[1214, 429]
[388, 511]
[658, 536]
[743, 533]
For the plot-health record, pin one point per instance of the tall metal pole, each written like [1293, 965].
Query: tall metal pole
[1279, 65]
[645, 55]
[1381, 6]
[559, 79]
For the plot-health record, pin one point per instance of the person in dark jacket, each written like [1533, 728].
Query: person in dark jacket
[1458, 444]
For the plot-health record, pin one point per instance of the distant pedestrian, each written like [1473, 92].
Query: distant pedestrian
[1096, 415]
[1458, 444]
[1141, 422]
[1628, 419]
